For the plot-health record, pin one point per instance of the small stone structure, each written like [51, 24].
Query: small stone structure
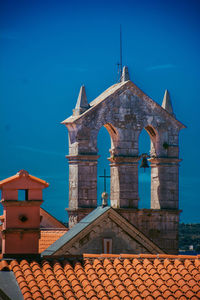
[124, 110]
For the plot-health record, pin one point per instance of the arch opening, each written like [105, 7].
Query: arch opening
[104, 144]
[113, 136]
[144, 175]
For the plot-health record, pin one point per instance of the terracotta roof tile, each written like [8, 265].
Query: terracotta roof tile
[48, 237]
[108, 277]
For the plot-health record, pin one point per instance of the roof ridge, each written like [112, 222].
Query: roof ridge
[23, 173]
[5, 262]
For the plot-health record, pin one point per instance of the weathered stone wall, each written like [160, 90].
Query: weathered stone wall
[82, 181]
[93, 241]
[161, 226]
[75, 215]
[165, 183]
[124, 182]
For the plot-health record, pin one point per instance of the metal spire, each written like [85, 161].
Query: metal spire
[119, 64]
[120, 51]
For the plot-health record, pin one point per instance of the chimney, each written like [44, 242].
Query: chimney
[21, 200]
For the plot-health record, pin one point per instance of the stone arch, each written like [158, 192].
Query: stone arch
[113, 133]
[124, 110]
[104, 142]
[154, 137]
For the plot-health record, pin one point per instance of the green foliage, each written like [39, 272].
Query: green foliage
[189, 234]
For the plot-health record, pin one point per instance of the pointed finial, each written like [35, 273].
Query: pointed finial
[125, 74]
[82, 103]
[167, 104]
[22, 173]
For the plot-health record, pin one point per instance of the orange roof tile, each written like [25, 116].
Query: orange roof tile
[49, 221]
[48, 237]
[111, 277]
[23, 173]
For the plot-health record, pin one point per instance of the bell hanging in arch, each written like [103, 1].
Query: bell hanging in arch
[144, 163]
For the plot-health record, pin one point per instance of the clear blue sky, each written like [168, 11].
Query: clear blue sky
[48, 49]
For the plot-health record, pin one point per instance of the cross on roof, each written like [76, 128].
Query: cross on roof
[104, 176]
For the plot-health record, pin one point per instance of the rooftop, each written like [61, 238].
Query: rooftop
[48, 237]
[108, 277]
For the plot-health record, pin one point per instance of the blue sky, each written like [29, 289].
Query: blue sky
[50, 48]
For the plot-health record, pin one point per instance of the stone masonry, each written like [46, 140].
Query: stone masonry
[124, 110]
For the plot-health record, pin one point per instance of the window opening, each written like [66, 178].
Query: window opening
[107, 246]
[22, 195]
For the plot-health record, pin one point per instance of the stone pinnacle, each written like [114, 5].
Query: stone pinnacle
[82, 103]
[167, 104]
[125, 74]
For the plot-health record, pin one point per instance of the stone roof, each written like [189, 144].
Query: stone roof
[107, 277]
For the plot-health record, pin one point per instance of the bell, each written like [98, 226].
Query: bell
[144, 163]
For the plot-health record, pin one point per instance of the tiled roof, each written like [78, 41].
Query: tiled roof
[25, 173]
[109, 277]
[49, 221]
[48, 237]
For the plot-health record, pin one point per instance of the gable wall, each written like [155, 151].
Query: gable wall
[93, 241]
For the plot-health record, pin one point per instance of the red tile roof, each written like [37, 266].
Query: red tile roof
[48, 237]
[49, 221]
[23, 173]
[109, 277]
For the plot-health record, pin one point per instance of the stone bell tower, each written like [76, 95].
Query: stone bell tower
[125, 110]
[21, 200]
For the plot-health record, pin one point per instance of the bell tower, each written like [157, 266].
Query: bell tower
[125, 110]
[21, 200]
